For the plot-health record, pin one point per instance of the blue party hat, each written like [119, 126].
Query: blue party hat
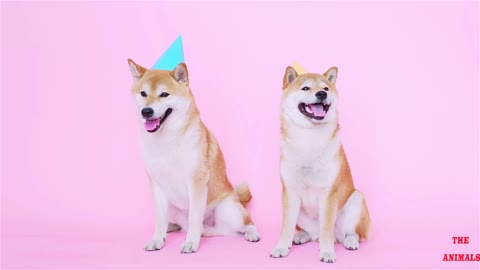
[171, 57]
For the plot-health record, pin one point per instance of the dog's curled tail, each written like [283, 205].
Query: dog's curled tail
[243, 192]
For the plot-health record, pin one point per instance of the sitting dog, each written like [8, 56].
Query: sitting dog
[184, 163]
[319, 198]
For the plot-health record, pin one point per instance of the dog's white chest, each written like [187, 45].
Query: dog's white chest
[171, 166]
[310, 157]
[311, 179]
[307, 169]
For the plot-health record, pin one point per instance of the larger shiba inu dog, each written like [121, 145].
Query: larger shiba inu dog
[319, 198]
[184, 163]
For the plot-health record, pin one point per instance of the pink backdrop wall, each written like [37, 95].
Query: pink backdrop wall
[73, 189]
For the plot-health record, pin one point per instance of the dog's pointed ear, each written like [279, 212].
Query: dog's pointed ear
[289, 77]
[331, 74]
[180, 73]
[137, 70]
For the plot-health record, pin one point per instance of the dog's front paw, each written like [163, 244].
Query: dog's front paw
[189, 246]
[155, 244]
[280, 252]
[328, 257]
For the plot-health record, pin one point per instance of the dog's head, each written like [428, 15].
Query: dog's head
[160, 95]
[310, 99]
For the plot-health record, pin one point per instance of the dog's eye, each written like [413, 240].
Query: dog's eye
[325, 88]
[306, 88]
[143, 93]
[164, 94]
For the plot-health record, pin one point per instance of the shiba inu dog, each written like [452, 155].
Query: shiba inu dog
[184, 163]
[319, 198]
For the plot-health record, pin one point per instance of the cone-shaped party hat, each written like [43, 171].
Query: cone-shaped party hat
[172, 56]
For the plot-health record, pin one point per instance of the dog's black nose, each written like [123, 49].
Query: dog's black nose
[147, 112]
[321, 95]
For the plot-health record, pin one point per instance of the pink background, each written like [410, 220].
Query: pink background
[74, 193]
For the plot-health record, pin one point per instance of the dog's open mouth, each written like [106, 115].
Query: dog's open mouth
[152, 125]
[315, 111]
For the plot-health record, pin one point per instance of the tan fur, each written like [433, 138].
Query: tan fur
[343, 186]
[247, 219]
[364, 226]
[244, 195]
[218, 187]
[304, 77]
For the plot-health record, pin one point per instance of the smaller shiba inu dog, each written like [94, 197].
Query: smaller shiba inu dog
[319, 198]
[185, 164]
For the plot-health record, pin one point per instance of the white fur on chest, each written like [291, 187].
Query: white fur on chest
[171, 162]
[310, 158]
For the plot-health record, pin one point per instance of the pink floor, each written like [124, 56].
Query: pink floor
[392, 247]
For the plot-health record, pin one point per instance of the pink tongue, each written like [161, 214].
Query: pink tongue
[152, 124]
[317, 110]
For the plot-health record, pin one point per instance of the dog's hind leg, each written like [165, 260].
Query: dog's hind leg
[353, 222]
[301, 237]
[231, 217]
